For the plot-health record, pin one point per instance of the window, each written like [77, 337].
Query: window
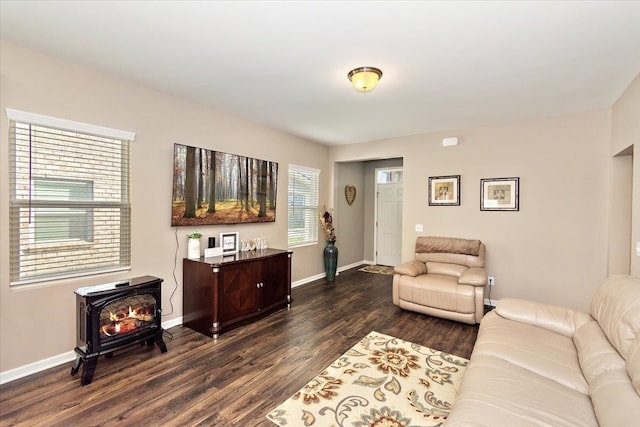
[70, 211]
[389, 176]
[303, 205]
[62, 224]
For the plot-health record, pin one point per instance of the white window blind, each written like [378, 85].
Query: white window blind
[303, 205]
[70, 211]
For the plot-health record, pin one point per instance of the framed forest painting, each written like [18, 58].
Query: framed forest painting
[213, 187]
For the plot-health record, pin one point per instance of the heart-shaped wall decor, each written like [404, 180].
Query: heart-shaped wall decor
[350, 193]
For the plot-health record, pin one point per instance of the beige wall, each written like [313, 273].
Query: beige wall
[38, 321]
[625, 140]
[348, 223]
[553, 249]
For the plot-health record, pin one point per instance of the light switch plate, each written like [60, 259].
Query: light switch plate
[419, 228]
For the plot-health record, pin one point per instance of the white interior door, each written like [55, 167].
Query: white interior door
[389, 224]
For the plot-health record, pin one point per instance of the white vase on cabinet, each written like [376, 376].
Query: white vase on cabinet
[193, 249]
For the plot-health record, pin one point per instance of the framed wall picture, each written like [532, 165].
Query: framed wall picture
[229, 242]
[499, 194]
[212, 170]
[444, 190]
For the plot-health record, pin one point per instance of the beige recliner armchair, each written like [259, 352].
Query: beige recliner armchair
[447, 279]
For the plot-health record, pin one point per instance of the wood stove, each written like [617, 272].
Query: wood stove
[114, 316]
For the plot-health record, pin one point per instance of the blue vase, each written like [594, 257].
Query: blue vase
[330, 260]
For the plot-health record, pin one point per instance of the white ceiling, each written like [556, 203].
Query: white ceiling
[446, 65]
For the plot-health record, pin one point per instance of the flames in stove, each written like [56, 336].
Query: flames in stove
[127, 319]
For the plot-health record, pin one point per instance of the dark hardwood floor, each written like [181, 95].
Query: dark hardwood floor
[238, 378]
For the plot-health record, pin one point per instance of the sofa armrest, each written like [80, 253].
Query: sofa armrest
[411, 268]
[561, 320]
[474, 276]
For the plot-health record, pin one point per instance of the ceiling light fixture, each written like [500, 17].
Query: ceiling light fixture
[365, 79]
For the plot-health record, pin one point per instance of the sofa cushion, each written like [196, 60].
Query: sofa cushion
[434, 290]
[595, 352]
[540, 365]
[557, 319]
[616, 307]
[448, 245]
[536, 349]
[633, 364]
[445, 269]
[474, 276]
[467, 260]
[446, 253]
[497, 393]
[411, 268]
[615, 402]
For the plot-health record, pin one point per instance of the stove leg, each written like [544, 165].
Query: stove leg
[160, 343]
[76, 365]
[88, 370]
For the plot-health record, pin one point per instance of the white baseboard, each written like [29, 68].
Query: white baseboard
[50, 362]
[323, 275]
[40, 365]
[171, 323]
[492, 302]
[350, 266]
[307, 280]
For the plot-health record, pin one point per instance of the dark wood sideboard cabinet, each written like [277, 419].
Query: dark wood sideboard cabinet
[224, 292]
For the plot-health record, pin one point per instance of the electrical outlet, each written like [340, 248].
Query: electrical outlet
[492, 280]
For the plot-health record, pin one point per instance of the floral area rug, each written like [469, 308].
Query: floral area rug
[379, 269]
[381, 381]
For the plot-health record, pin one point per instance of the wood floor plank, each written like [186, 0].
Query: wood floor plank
[237, 379]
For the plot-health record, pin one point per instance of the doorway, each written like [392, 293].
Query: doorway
[388, 221]
[620, 212]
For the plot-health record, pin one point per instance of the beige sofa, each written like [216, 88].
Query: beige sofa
[540, 365]
[446, 279]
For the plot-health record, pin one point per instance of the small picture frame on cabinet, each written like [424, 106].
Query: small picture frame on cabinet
[229, 242]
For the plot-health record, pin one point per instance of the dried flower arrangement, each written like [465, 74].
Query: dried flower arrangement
[326, 220]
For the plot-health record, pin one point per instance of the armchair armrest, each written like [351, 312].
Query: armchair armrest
[411, 268]
[557, 319]
[474, 276]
